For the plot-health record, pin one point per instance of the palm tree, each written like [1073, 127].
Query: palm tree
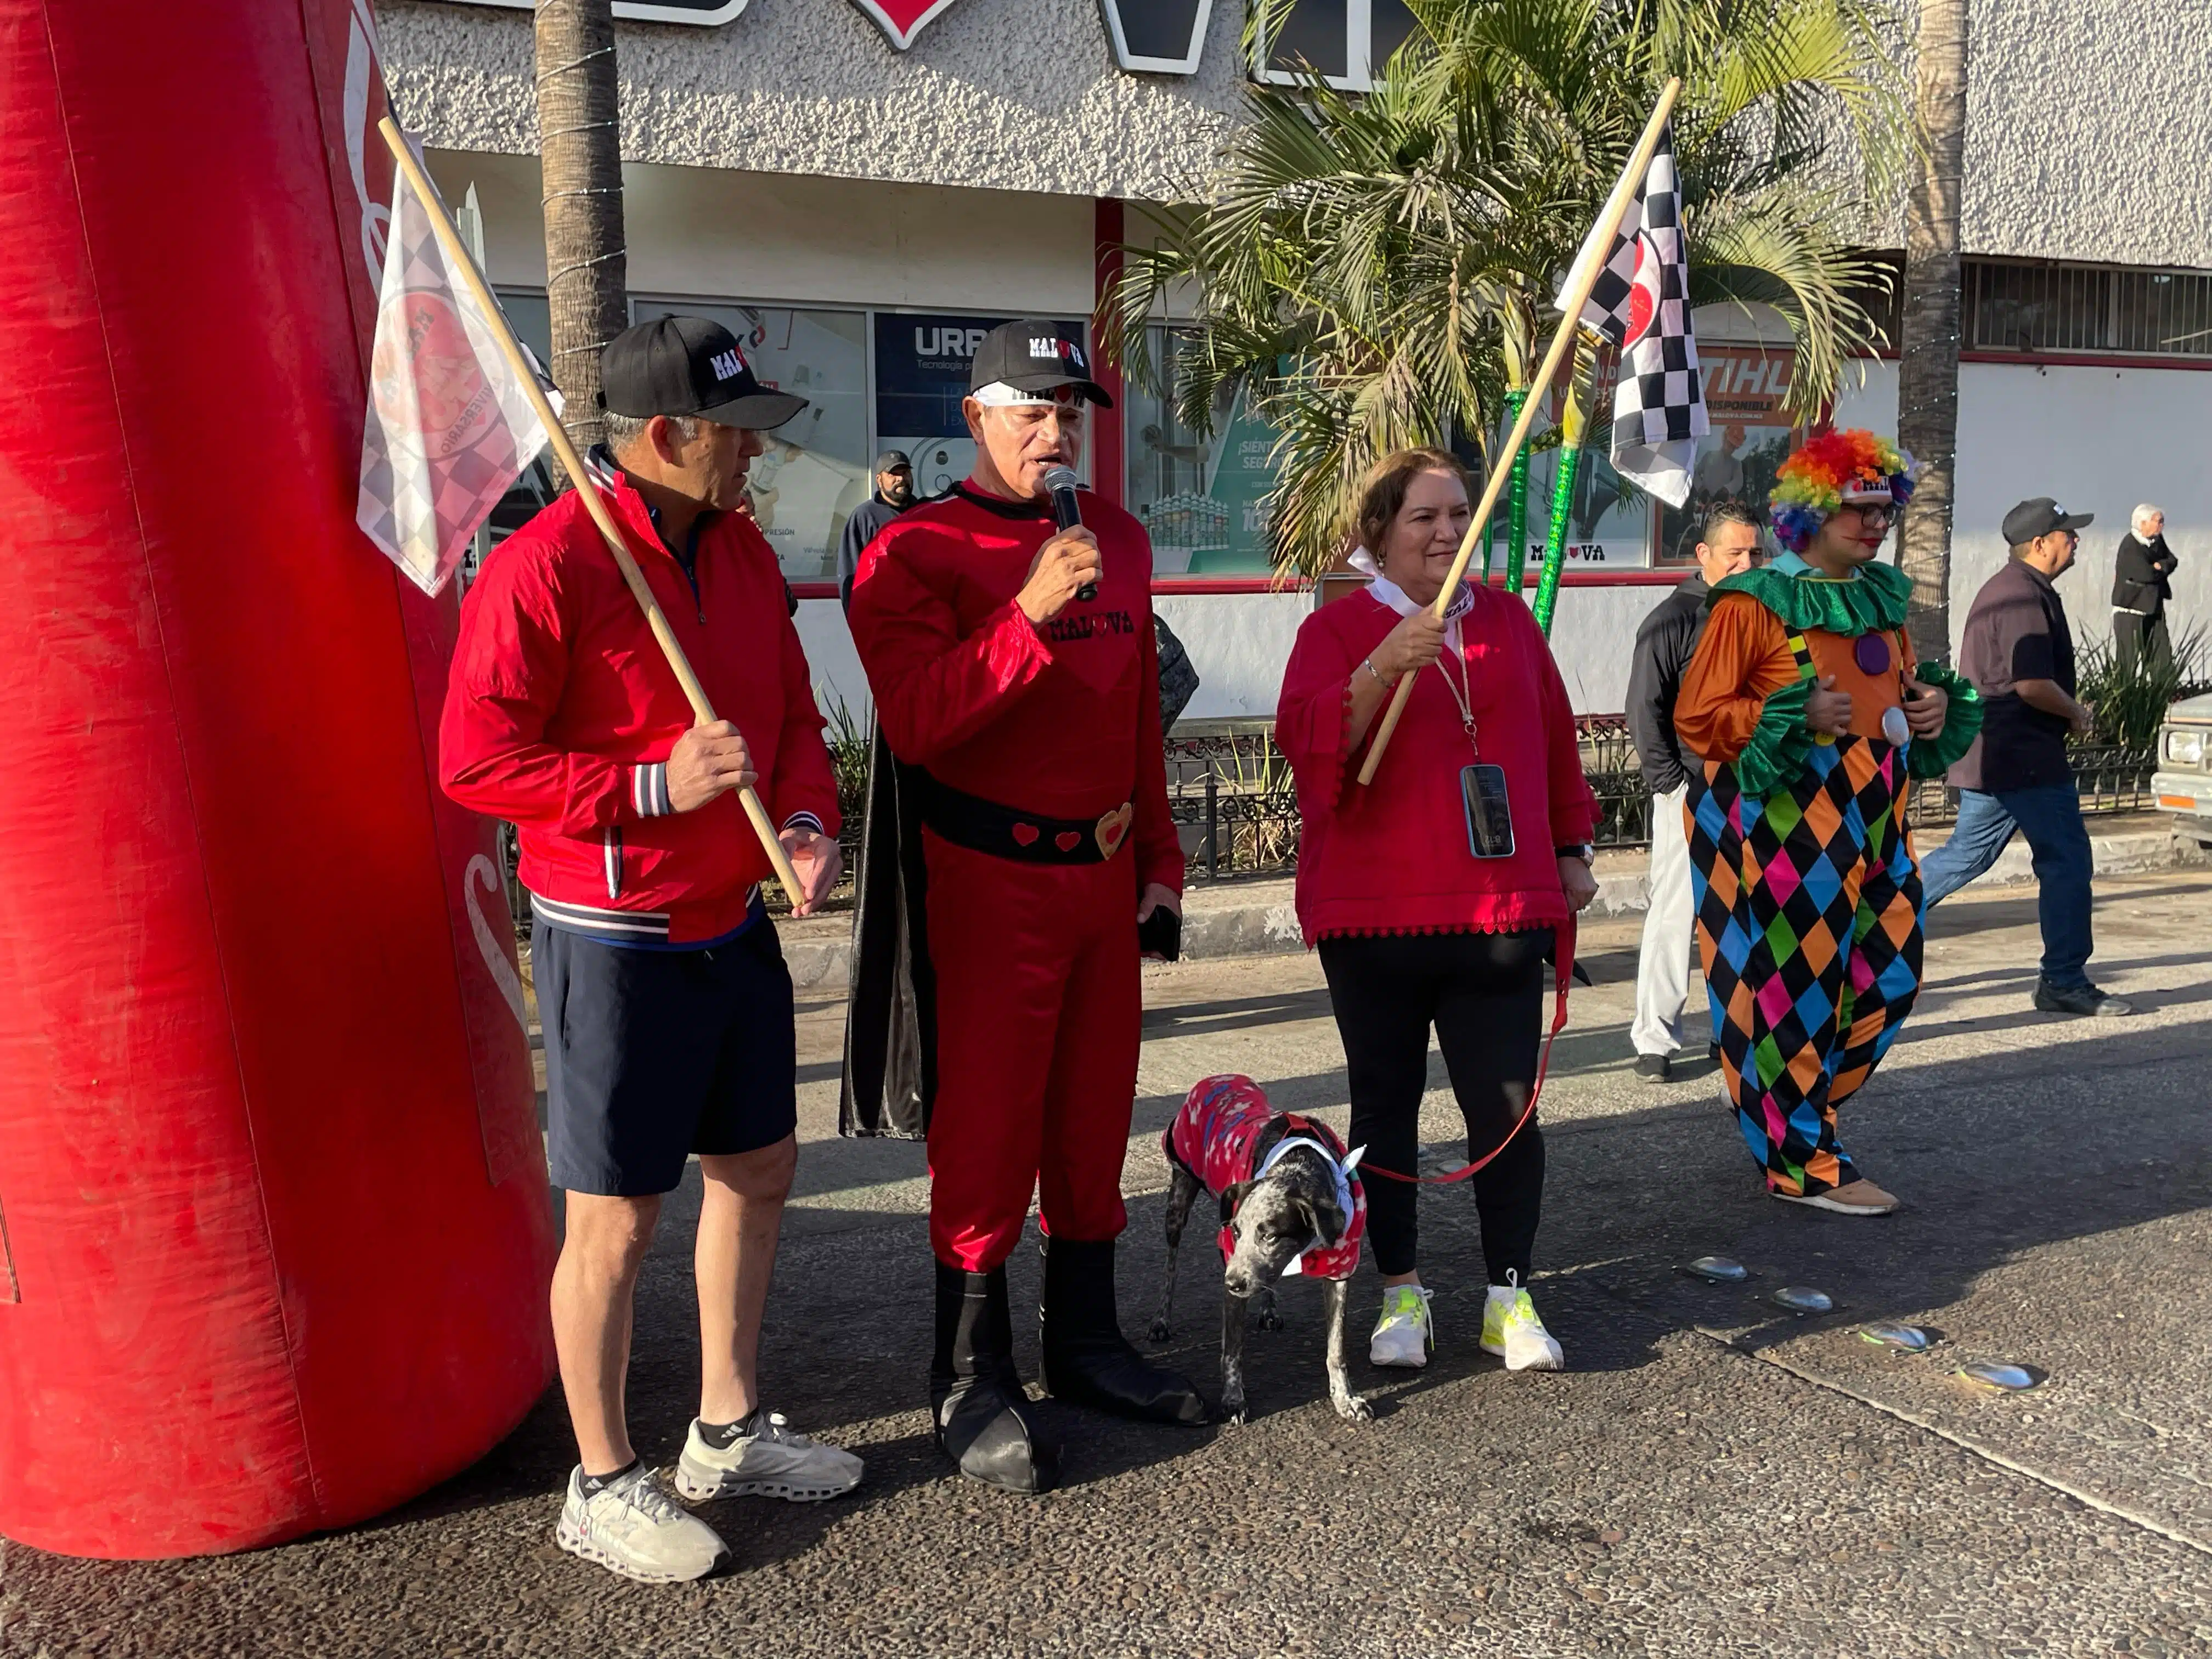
[1928, 366]
[1375, 271]
[580, 145]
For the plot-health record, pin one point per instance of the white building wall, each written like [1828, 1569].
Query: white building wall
[2096, 439]
[705, 233]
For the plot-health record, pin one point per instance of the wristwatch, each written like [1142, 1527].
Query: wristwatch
[1581, 849]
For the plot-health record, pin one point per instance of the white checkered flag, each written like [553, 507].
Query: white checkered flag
[1640, 303]
[450, 429]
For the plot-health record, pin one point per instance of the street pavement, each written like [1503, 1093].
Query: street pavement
[1713, 1475]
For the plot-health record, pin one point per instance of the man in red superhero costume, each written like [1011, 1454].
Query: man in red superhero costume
[1025, 718]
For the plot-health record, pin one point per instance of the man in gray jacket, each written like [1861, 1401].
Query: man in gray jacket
[1728, 541]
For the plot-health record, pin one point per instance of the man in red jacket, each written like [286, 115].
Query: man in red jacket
[1026, 711]
[667, 1006]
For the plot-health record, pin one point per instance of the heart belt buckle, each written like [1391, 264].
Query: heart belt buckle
[1112, 827]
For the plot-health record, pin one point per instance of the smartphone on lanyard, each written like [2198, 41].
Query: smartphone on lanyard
[1489, 812]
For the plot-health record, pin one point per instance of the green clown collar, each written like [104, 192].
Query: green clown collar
[1872, 598]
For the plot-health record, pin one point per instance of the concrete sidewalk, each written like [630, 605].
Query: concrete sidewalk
[1250, 917]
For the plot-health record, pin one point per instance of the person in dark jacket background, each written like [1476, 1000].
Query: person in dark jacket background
[893, 494]
[1727, 542]
[2142, 585]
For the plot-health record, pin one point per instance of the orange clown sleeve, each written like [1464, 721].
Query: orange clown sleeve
[1741, 657]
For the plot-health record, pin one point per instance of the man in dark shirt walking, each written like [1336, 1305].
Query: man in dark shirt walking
[893, 480]
[2019, 653]
[1728, 541]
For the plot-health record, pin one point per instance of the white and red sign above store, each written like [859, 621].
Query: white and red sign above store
[1151, 37]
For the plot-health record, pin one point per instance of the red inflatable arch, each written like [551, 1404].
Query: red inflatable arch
[274, 1236]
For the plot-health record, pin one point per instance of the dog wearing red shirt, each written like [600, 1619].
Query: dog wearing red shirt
[1290, 1204]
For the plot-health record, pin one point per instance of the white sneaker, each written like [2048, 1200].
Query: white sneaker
[1405, 1330]
[633, 1526]
[775, 1461]
[1511, 1327]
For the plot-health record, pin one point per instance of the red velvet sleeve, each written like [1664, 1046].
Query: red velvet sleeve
[510, 664]
[1314, 713]
[804, 780]
[1159, 849]
[934, 690]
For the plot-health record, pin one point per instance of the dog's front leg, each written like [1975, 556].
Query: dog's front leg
[1180, 1197]
[1348, 1404]
[1232, 1356]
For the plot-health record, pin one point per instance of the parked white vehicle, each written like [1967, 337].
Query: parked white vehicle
[2183, 781]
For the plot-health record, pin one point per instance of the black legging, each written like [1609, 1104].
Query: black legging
[1484, 993]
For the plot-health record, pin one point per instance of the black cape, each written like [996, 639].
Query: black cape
[890, 1016]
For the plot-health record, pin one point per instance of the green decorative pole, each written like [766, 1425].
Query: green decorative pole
[1516, 511]
[1574, 436]
[1514, 399]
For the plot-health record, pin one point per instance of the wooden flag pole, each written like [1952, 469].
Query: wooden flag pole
[564, 449]
[1580, 280]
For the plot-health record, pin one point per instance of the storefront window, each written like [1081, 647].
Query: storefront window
[1609, 525]
[1204, 501]
[921, 374]
[814, 471]
[1745, 387]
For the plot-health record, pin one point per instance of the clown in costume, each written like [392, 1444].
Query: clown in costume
[1805, 699]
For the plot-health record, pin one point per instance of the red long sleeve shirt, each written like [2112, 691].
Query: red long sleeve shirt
[1392, 857]
[562, 711]
[1061, 720]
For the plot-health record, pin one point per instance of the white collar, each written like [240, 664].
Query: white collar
[1387, 593]
[1341, 1173]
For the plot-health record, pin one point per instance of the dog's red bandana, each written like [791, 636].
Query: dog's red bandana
[1215, 1136]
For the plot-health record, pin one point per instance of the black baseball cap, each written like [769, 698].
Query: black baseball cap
[2039, 516]
[688, 366]
[893, 460]
[1032, 355]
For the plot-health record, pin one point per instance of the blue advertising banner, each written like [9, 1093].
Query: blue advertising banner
[921, 375]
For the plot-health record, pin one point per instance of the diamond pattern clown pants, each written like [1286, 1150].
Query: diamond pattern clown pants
[1809, 927]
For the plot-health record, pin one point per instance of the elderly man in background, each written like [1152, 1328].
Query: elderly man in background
[2018, 651]
[667, 1005]
[1728, 541]
[2142, 585]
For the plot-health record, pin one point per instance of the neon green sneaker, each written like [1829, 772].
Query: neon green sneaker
[1510, 1328]
[1406, 1331]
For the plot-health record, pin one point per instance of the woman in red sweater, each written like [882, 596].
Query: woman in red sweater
[1432, 893]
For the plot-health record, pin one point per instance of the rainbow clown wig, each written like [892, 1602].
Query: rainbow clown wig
[1832, 468]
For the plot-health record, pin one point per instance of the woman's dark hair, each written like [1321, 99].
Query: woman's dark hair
[1385, 492]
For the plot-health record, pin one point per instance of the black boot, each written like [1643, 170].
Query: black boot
[1087, 1361]
[981, 1416]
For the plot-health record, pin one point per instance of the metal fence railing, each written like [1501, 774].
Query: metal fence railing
[1231, 794]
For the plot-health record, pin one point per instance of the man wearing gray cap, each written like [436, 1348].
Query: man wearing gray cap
[894, 477]
[2019, 653]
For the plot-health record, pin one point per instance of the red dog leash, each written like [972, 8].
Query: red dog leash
[1563, 940]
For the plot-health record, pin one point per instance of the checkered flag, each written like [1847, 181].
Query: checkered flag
[449, 428]
[1640, 303]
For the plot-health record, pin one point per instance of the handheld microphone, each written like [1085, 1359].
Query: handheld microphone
[1067, 511]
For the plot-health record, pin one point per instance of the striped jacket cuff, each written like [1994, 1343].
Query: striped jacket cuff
[805, 821]
[648, 790]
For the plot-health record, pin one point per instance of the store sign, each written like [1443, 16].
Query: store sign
[1157, 37]
[701, 12]
[1148, 36]
[901, 19]
[1744, 387]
